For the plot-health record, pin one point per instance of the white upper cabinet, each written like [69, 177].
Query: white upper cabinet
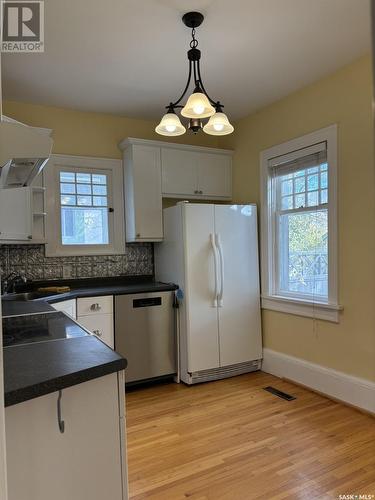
[179, 172]
[196, 173]
[22, 214]
[215, 176]
[15, 214]
[157, 169]
[143, 196]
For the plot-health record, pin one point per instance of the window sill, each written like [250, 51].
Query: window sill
[298, 307]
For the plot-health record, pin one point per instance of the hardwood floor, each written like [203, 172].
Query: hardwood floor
[232, 440]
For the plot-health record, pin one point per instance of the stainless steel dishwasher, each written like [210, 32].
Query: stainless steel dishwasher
[145, 334]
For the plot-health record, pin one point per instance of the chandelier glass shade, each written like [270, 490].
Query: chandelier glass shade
[218, 124]
[170, 125]
[199, 105]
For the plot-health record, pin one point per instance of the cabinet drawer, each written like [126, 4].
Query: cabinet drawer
[100, 325]
[95, 305]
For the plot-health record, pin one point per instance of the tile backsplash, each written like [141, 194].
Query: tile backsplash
[30, 261]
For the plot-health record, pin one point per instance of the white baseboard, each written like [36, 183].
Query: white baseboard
[356, 391]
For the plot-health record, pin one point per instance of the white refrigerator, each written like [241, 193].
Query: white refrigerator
[211, 252]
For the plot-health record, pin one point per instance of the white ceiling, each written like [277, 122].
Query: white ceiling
[129, 56]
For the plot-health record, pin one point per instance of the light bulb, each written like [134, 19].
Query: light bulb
[197, 106]
[198, 109]
[170, 128]
[218, 127]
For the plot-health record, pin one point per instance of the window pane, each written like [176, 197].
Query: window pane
[68, 200]
[83, 188]
[313, 170]
[312, 182]
[299, 201]
[84, 226]
[99, 179]
[287, 187]
[68, 188]
[287, 203]
[85, 178]
[312, 199]
[303, 253]
[324, 166]
[324, 196]
[67, 177]
[299, 184]
[100, 201]
[84, 200]
[100, 190]
[324, 180]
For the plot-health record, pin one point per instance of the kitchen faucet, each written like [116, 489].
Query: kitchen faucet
[11, 281]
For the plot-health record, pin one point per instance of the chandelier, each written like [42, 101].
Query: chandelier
[199, 105]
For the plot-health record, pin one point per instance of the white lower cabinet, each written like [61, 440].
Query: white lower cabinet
[96, 314]
[67, 306]
[100, 325]
[86, 462]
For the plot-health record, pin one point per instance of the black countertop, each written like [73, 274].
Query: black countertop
[18, 307]
[33, 370]
[90, 287]
[114, 289]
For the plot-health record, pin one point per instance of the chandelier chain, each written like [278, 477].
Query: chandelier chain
[194, 41]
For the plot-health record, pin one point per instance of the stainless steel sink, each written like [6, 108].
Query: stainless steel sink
[28, 296]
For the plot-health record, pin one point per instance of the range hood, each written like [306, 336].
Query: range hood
[24, 151]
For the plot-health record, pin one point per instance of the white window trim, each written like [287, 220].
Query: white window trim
[270, 300]
[54, 248]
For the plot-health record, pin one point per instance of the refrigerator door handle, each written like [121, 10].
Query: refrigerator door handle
[215, 251]
[221, 254]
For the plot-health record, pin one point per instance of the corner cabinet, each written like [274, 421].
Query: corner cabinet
[143, 196]
[87, 461]
[155, 169]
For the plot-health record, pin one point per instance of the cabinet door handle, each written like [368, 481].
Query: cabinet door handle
[200, 192]
[138, 235]
[98, 333]
[95, 307]
[59, 418]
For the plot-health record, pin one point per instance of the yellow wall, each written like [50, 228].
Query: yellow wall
[344, 98]
[92, 134]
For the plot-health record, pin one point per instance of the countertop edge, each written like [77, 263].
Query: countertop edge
[17, 396]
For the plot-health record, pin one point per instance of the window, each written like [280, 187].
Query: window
[299, 248]
[85, 206]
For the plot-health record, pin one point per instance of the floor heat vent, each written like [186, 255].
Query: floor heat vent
[280, 394]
